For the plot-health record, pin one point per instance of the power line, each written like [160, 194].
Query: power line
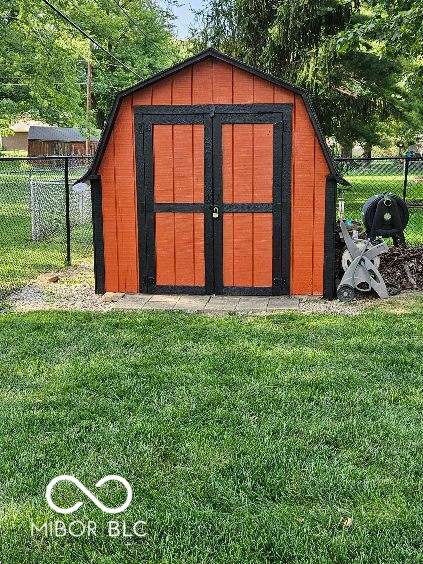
[87, 36]
[31, 82]
[129, 18]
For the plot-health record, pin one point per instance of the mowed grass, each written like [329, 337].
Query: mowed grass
[363, 186]
[22, 258]
[246, 439]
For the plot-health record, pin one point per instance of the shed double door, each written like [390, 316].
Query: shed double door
[214, 199]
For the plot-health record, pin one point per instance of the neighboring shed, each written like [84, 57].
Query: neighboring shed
[213, 177]
[44, 141]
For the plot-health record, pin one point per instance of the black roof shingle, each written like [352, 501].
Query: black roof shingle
[64, 134]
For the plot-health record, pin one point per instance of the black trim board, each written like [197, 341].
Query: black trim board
[217, 201]
[210, 53]
[247, 291]
[247, 208]
[141, 204]
[231, 109]
[195, 290]
[164, 207]
[178, 207]
[329, 243]
[98, 241]
[201, 290]
[208, 201]
[280, 208]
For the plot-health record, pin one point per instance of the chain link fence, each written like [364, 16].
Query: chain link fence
[45, 221]
[400, 176]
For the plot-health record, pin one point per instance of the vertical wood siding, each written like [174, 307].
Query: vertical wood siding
[213, 82]
[179, 178]
[247, 177]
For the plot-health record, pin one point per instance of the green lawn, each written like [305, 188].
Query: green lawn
[246, 439]
[21, 258]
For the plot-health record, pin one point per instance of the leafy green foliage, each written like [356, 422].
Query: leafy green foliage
[401, 23]
[398, 25]
[44, 59]
[337, 49]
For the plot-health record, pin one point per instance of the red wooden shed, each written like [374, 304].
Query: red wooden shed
[213, 177]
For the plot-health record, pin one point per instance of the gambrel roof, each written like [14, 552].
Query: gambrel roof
[212, 53]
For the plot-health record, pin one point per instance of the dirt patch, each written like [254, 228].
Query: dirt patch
[68, 289]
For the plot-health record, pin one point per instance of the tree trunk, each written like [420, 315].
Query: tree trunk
[367, 151]
[346, 151]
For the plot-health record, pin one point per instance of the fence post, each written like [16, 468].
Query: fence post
[67, 213]
[406, 167]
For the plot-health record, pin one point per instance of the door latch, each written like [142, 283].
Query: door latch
[215, 212]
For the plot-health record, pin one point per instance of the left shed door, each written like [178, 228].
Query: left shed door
[176, 250]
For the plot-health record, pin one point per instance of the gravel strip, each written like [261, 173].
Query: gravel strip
[74, 291]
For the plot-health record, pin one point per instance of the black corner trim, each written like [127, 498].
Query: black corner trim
[98, 241]
[329, 245]
[141, 202]
[286, 200]
[210, 53]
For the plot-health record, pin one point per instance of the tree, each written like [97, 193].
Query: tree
[326, 46]
[44, 60]
[400, 23]
[38, 74]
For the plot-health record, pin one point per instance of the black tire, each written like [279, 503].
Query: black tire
[345, 293]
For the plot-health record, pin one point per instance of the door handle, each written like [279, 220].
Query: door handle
[215, 212]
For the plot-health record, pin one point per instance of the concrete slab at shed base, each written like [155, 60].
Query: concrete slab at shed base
[207, 304]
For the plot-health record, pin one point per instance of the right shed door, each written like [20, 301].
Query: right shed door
[251, 193]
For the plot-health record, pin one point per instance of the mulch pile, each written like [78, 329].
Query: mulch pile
[403, 267]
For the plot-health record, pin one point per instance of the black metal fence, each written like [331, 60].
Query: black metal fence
[401, 176]
[45, 221]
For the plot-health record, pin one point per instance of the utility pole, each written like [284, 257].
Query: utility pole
[89, 104]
